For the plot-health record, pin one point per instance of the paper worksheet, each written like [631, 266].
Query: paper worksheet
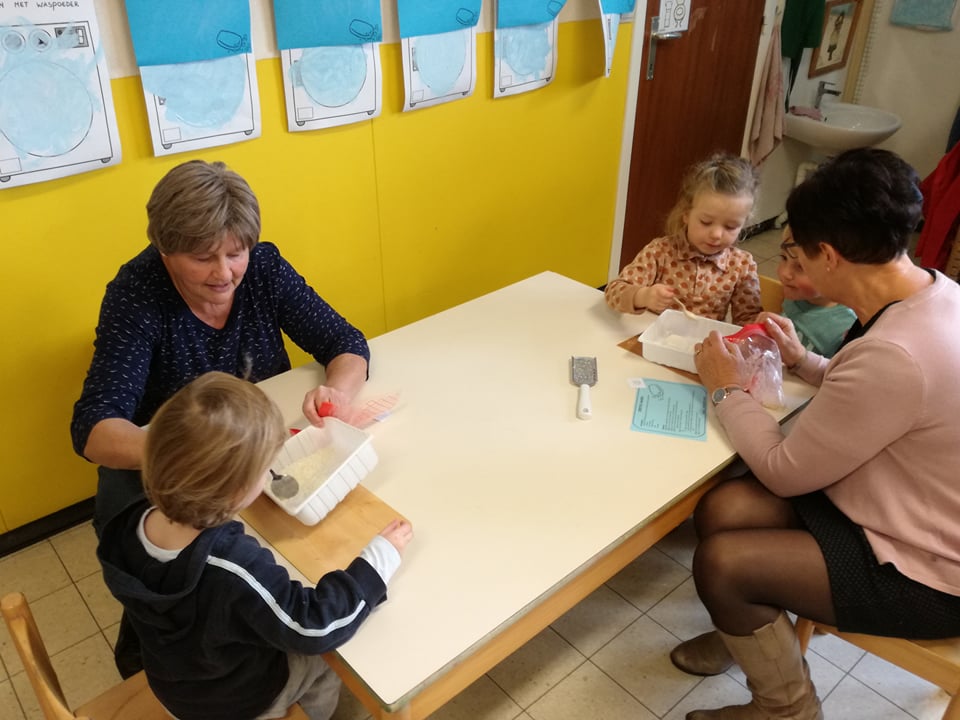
[198, 72]
[611, 15]
[56, 106]
[330, 53]
[671, 408]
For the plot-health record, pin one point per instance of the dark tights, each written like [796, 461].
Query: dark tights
[754, 559]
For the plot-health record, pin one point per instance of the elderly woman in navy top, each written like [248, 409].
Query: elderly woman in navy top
[205, 295]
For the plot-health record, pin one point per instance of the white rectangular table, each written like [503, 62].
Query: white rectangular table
[519, 509]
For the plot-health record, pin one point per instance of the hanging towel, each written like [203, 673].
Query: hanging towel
[767, 130]
[941, 210]
[923, 14]
[802, 28]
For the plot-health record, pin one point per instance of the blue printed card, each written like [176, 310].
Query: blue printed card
[671, 408]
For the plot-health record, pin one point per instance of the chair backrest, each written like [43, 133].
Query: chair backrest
[936, 661]
[36, 661]
[771, 294]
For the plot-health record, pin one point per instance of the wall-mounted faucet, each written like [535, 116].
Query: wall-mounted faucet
[822, 90]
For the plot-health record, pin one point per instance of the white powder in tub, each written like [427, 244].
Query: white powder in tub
[312, 470]
[679, 342]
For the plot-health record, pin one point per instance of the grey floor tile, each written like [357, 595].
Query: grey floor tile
[638, 659]
[35, 571]
[682, 613]
[349, 708]
[483, 700]
[596, 620]
[9, 704]
[648, 579]
[712, 692]
[62, 619]
[680, 544]
[77, 549]
[768, 268]
[839, 652]
[536, 667]
[915, 695]
[104, 607]
[765, 245]
[589, 693]
[852, 700]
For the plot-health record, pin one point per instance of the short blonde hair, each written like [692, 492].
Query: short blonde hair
[720, 173]
[196, 204]
[207, 446]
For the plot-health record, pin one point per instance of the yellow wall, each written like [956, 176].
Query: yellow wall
[391, 220]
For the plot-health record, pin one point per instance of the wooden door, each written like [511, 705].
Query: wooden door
[695, 104]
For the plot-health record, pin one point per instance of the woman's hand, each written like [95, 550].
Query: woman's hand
[720, 363]
[314, 401]
[784, 334]
[655, 298]
[399, 533]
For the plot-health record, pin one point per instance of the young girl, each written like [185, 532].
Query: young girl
[697, 263]
[225, 633]
[820, 323]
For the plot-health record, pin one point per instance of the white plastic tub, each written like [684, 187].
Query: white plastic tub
[341, 456]
[672, 336]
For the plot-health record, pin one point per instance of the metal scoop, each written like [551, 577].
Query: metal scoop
[583, 373]
[283, 486]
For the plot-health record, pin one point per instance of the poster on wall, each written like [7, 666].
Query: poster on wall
[330, 54]
[438, 41]
[611, 15]
[525, 45]
[198, 72]
[56, 106]
[839, 25]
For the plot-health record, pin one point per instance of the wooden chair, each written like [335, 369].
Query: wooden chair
[936, 661]
[131, 699]
[771, 294]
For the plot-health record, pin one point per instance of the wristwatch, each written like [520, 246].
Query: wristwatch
[722, 393]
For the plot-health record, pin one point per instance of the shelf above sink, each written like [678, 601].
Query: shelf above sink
[844, 126]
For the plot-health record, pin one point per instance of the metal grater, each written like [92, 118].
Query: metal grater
[583, 374]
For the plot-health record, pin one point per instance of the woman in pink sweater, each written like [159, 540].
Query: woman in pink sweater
[851, 519]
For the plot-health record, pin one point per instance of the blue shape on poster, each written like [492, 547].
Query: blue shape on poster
[430, 17]
[618, 7]
[332, 76]
[514, 13]
[440, 60]
[203, 94]
[181, 31]
[308, 23]
[526, 49]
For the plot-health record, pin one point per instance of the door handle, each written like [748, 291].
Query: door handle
[655, 35]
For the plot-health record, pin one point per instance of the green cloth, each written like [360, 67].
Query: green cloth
[802, 27]
[819, 328]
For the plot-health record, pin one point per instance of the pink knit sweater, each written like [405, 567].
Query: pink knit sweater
[881, 437]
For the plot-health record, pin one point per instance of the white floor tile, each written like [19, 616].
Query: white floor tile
[596, 620]
[852, 700]
[483, 700]
[589, 693]
[536, 667]
[682, 613]
[648, 579]
[919, 697]
[77, 549]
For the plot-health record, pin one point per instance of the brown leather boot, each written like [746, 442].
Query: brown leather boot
[703, 655]
[777, 675]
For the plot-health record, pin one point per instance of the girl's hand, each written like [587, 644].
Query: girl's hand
[399, 533]
[784, 334]
[656, 298]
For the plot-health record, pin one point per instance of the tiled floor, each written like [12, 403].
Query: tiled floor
[607, 659]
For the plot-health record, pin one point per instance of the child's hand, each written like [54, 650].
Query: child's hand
[657, 298]
[399, 533]
[781, 329]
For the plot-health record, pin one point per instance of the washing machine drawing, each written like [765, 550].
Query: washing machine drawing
[439, 68]
[201, 104]
[330, 86]
[56, 106]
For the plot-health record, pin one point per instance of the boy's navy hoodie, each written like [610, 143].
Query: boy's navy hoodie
[216, 622]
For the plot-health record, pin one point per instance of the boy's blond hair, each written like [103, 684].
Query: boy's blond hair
[207, 446]
[720, 173]
[196, 204]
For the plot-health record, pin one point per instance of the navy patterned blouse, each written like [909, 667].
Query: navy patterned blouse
[149, 344]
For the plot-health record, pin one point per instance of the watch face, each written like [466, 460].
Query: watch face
[718, 395]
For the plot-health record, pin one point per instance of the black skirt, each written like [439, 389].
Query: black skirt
[869, 597]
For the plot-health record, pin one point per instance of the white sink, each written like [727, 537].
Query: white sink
[844, 126]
